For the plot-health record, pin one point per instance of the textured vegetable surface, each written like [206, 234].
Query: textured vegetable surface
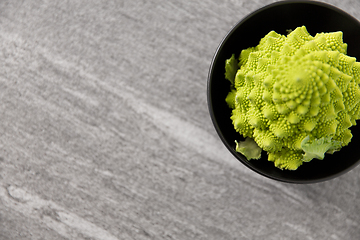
[296, 96]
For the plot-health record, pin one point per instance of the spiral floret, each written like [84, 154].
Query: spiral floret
[293, 93]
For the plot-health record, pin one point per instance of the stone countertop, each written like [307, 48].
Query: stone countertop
[105, 132]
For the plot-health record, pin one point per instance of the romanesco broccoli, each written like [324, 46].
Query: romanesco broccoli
[296, 96]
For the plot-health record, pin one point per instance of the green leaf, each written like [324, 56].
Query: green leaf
[248, 148]
[231, 67]
[318, 147]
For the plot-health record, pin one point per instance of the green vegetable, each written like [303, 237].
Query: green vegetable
[296, 96]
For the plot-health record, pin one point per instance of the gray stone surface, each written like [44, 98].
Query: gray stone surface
[105, 132]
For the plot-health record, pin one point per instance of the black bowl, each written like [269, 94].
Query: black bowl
[281, 16]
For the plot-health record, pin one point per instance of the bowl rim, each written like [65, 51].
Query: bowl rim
[210, 102]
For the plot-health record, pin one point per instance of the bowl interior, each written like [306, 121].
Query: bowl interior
[280, 17]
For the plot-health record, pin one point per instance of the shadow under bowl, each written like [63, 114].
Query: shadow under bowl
[280, 16]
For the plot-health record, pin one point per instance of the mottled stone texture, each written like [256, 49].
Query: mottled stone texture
[105, 132]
